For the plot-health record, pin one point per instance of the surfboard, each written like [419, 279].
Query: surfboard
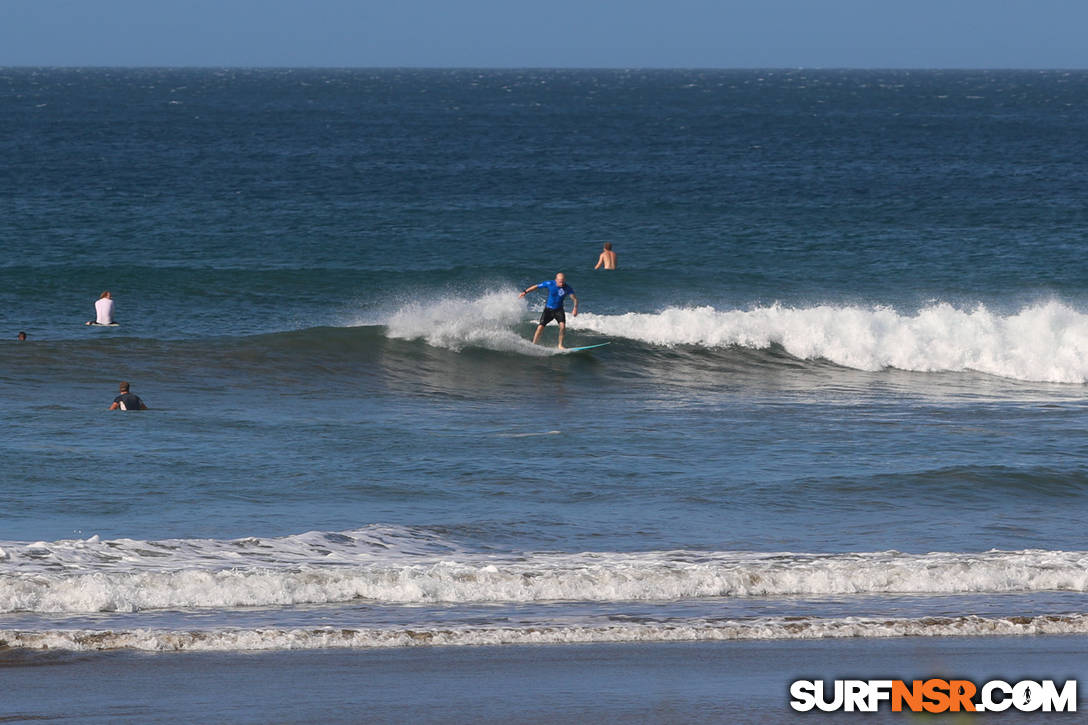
[99, 324]
[584, 347]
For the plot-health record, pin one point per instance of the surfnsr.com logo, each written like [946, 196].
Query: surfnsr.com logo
[933, 695]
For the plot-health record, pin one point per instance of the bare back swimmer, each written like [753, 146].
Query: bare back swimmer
[608, 258]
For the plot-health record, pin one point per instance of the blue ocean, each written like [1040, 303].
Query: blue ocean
[843, 400]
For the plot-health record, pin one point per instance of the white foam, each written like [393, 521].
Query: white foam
[455, 323]
[1043, 343]
[530, 435]
[770, 628]
[315, 568]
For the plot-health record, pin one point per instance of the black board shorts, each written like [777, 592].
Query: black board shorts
[549, 314]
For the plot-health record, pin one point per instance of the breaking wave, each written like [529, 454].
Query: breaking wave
[1041, 343]
[770, 628]
[407, 567]
[490, 336]
[454, 323]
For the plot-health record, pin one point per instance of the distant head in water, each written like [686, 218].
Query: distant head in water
[22, 336]
[124, 386]
[105, 295]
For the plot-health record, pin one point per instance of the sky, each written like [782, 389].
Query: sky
[547, 33]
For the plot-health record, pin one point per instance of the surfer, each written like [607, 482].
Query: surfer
[558, 291]
[103, 309]
[607, 258]
[127, 400]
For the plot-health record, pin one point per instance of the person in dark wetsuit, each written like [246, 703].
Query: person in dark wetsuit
[127, 400]
[558, 291]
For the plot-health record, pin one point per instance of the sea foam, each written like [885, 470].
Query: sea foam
[455, 323]
[766, 628]
[130, 576]
[1042, 343]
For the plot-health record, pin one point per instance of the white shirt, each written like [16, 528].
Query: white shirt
[104, 308]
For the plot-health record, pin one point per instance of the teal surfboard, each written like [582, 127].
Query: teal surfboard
[585, 347]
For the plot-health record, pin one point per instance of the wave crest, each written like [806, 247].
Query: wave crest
[1040, 343]
[320, 569]
[455, 323]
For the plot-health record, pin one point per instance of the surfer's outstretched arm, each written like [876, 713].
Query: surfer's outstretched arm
[528, 291]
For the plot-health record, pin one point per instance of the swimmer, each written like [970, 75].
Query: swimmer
[127, 400]
[607, 258]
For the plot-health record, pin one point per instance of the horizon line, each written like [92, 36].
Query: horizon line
[543, 68]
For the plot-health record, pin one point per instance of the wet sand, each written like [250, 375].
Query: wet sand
[733, 682]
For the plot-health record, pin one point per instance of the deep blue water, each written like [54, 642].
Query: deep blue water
[849, 345]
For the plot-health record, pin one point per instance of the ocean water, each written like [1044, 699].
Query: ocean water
[844, 395]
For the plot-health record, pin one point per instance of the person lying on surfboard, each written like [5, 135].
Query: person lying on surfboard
[558, 291]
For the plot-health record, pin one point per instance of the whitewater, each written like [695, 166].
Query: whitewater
[792, 628]
[88, 576]
[1043, 343]
[229, 595]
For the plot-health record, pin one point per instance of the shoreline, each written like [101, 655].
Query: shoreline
[434, 635]
[739, 681]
